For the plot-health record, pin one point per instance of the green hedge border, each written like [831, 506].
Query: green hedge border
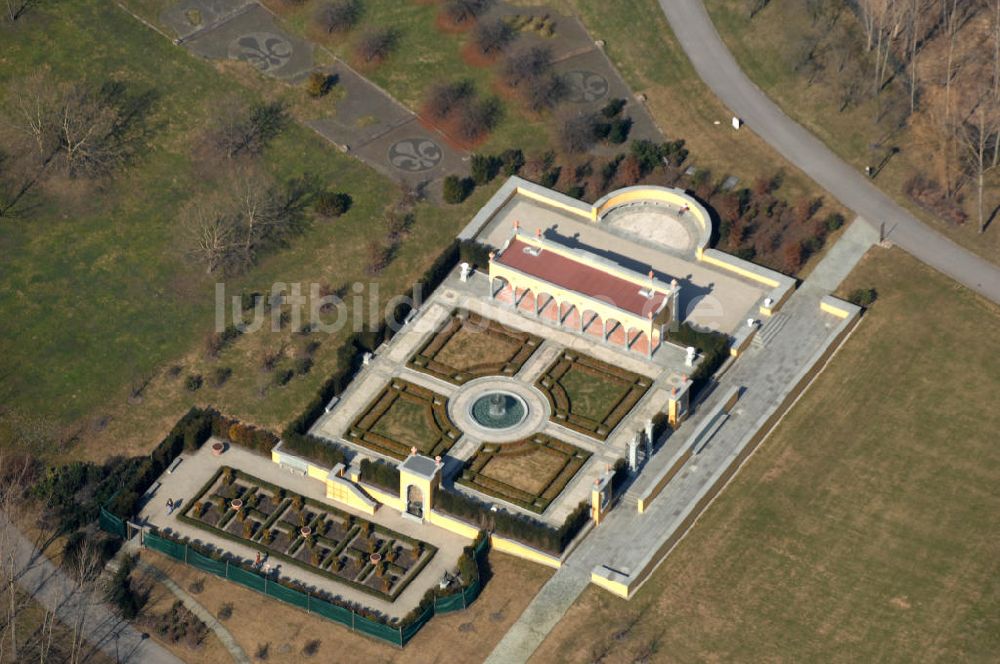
[437, 405]
[561, 403]
[425, 359]
[471, 474]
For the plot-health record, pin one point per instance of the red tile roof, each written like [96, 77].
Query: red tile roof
[580, 277]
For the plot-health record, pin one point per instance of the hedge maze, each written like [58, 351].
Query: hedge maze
[364, 555]
[590, 396]
[470, 346]
[402, 416]
[530, 473]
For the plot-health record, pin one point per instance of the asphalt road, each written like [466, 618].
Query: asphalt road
[56, 591]
[717, 67]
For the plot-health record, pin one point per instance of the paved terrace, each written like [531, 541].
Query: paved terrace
[667, 365]
[768, 374]
[710, 297]
[196, 469]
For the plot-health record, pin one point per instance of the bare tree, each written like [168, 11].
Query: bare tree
[32, 106]
[530, 72]
[227, 231]
[14, 480]
[578, 133]
[339, 16]
[17, 8]
[465, 11]
[85, 571]
[494, 37]
[975, 135]
[212, 233]
[245, 131]
[444, 98]
[377, 44]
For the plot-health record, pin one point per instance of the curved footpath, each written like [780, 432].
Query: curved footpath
[52, 587]
[720, 71]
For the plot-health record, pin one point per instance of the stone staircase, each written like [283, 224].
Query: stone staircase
[769, 330]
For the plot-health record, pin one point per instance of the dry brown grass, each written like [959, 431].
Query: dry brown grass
[863, 529]
[530, 472]
[467, 348]
[210, 651]
[464, 636]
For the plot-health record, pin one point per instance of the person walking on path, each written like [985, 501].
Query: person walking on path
[170, 506]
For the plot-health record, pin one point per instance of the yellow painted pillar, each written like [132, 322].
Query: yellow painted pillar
[600, 496]
[679, 402]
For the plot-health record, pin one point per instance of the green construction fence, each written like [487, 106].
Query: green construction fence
[398, 636]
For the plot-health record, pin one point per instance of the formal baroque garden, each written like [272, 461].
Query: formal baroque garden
[405, 416]
[590, 396]
[469, 346]
[308, 534]
[529, 473]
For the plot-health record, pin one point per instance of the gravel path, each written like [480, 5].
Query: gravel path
[55, 590]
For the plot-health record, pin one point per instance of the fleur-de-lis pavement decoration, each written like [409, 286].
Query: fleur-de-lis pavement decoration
[415, 154]
[586, 86]
[263, 50]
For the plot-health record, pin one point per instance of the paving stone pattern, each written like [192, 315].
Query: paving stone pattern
[767, 374]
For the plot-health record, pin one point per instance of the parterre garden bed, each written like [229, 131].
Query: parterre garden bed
[469, 346]
[403, 416]
[337, 545]
[590, 396]
[529, 473]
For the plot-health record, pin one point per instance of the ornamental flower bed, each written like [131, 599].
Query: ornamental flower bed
[469, 346]
[311, 535]
[590, 396]
[530, 473]
[403, 416]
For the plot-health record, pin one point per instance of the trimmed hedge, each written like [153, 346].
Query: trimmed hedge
[714, 347]
[515, 526]
[573, 459]
[380, 473]
[350, 353]
[190, 432]
[321, 509]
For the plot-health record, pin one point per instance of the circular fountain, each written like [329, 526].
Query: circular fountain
[499, 410]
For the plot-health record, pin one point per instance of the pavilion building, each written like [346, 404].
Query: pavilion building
[583, 292]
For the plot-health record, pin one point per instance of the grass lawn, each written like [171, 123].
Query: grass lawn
[424, 56]
[407, 422]
[469, 346]
[403, 416]
[588, 395]
[765, 48]
[530, 473]
[864, 528]
[643, 47]
[98, 291]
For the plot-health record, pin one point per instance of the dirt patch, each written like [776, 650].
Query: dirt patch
[446, 25]
[448, 129]
[260, 622]
[472, 56]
